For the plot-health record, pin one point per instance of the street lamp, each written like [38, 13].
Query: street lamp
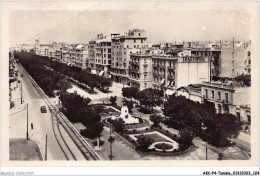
[111, 140]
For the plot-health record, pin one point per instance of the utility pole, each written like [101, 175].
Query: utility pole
[27, 134]
[46, 149]
[206, 150]
[21, 92]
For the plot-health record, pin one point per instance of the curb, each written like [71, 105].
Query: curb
[39, 148]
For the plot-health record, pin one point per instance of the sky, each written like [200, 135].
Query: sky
[163, 22]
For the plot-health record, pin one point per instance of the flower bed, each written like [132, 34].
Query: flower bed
[163, 146]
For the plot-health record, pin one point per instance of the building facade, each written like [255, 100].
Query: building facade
[140, 70]
[122, 47]
[230, 97]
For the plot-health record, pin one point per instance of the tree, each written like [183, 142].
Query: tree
[144, 141]
[156, 119]
[129, 105]
[150, 97]
[186, 136]
[119, 125]
[113, 99]
[93, 131]
[130, 92]
[63, 85]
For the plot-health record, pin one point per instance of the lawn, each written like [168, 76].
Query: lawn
[156, 137]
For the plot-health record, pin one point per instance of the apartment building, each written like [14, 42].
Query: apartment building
[122, 47]
[66, 54]
[179, 68]
[235, 58]
[42, 49]
[91, 56]
[140, 70]
[80, 55]
[103, 55]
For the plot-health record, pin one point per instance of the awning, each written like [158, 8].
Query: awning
[162, 81]
[101, 73]
[169, 92]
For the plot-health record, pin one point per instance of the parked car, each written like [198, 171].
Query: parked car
[43, 109]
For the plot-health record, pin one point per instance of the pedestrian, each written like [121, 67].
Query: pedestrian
[32, 126]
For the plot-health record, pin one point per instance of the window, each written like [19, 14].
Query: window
[109, 50]
[104, 55]
[145, 85]
[134, 41]
[145, 77]
[212, 94]
[141, 40]
[226, 97]
[139, 34]
[104, 49]
[134, 46]
[104, 61]
[109, 56]
[238, 116]
[206, 92]
[249, 53]
[219, 95]
[127, 46]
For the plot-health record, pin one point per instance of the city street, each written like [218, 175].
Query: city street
[42, 122]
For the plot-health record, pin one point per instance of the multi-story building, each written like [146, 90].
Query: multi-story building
[103, 55]
[42, 49]
[140, 70]
[122, 47]
[235, 59]
[66, 54]
[80, 54]
[91, 56]
[228, 97]
[179, 68]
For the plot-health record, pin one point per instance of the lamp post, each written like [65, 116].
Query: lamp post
[111, 140]
[21, 92]
[27, 133]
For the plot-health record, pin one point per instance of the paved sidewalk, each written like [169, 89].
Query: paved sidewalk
[30, 150]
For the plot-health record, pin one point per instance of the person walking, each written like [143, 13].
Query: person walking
[32, 126]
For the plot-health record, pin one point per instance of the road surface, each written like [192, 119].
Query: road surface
[42, 122]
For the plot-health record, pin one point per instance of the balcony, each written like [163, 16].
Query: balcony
[155, 65]
[145, 64]
[162, 66]
[155, 74]
[170, 77]
[170, 67]
[162, 75]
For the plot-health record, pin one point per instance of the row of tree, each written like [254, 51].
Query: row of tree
[45, 78]
[83, 76]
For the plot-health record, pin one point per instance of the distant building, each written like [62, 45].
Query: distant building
[103, 55]
[179, 68]
[122, 47]
[140, 70]
[235, 59]
[80, 56]
[42, 49]
[91, 56]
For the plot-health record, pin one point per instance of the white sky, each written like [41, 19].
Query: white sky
[80, 21]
